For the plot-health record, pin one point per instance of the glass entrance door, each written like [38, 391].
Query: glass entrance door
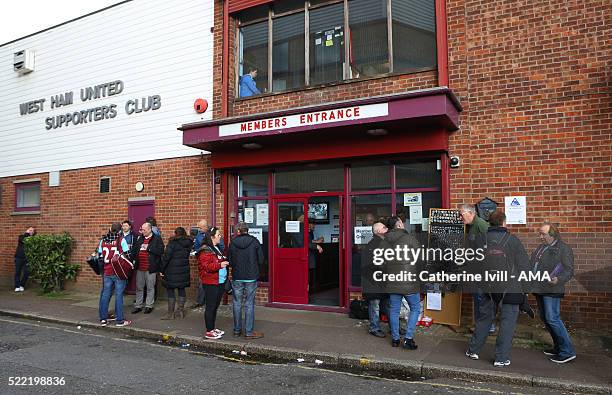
[290, 266]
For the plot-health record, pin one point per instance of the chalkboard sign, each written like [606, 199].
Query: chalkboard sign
[446, 229]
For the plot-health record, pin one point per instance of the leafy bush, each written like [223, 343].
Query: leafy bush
[48, 260]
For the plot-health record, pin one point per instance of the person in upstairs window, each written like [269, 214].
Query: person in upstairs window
[247, 84]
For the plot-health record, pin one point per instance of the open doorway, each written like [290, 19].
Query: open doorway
[324, 250]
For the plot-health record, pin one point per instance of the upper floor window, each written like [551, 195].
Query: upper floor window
[27, 196]
[293, 43]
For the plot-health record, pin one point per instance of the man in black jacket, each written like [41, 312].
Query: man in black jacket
[371, 292]
[500, 247]
[398, 237]
[555, 258]
[146, 253]
[21, 263]
[245, 256]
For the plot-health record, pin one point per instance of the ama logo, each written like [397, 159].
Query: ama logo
[515, 203]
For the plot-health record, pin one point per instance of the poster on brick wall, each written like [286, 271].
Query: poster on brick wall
[516, 210]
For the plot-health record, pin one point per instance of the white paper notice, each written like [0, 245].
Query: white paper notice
[249, 215]
[416, 215]
[262, 214]
[516, 210]
[363, 234]
[257, 233]
[292, 226]
[434, 301]
[413, 199]
[425, 225]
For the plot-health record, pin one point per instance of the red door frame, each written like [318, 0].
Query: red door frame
[342, 245]
[302, 255]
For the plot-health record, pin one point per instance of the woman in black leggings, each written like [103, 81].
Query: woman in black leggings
[175, 271]
[212, 265]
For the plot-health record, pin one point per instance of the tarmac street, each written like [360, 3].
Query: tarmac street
[90, 361]
[340, 343]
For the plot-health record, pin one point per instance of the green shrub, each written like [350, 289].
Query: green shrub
[48, 260]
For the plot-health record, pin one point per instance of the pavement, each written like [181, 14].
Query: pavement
[341, 343]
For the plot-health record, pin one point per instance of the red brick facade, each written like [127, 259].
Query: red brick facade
[533, 80]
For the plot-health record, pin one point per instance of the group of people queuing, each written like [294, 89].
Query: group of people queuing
[553, 257]
[222, 270]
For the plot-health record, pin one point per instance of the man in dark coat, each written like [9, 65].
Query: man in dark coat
[555, 258]
[398, 237]
[146, 253]
[245, 256]
[371, 291]
[21, 263]
[500, 246]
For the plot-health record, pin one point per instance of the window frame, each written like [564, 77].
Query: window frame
[347, 48]
[21, 185]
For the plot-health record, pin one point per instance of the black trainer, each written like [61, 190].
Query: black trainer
[148, 310]
[377, 333]
[136, 310]
[409, 344]
[395, 343]
[558, 359]
[526, 308]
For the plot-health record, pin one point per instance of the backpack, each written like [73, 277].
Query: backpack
[496, 260]
[358, 309]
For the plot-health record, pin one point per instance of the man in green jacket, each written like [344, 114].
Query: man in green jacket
[476, 226]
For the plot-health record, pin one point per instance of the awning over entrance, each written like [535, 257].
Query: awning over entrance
[408, 122]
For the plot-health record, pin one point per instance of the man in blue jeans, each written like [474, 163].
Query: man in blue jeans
[372, 295]
[557, 259]
[398, 237]
[245, 256]
[107, 249]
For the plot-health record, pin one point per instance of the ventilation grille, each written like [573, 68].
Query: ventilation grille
[105, 184]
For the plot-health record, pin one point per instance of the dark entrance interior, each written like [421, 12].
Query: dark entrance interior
[324, 219]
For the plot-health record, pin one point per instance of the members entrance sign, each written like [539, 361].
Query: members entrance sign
[307, 119]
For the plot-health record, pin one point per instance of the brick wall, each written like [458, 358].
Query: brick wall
[533, 80]
[181, 188]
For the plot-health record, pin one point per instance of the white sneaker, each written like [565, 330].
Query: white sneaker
[501, 364]
[212, 335]
[21, 289]
[219, 332]
[18, 289]
[471, 355]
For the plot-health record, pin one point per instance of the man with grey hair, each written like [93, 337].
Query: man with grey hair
[245, 256]
[476, 226]
[367, 281]
[146, 252]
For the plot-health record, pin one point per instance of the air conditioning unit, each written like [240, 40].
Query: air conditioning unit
[23, 61]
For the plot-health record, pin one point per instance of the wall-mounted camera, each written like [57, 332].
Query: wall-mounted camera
[454, 161]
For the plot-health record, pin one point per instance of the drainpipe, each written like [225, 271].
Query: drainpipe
[225, 61]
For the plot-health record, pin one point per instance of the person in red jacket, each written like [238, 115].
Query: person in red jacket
[212, 265]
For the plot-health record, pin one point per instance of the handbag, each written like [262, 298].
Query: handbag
[228, 287]
[122, 266]
[95, 263]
